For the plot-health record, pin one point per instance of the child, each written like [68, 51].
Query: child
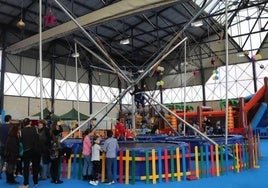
[110, 147]
[95, 158]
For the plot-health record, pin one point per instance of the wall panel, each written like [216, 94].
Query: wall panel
[20, 107]
[17, 107]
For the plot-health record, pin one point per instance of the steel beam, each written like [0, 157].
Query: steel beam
[114, 11]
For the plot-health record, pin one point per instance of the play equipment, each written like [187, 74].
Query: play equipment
[251, 110]
[194, 141]
[254, 110]
[213, 115]
[144, 148]
[177, 107]
[161, 159]
[174, 121]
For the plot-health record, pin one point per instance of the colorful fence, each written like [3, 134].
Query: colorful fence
[158, 165]
[262, 131]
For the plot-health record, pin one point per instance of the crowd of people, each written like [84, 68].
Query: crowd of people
[35, 151]
[91, 153]
[26, 149]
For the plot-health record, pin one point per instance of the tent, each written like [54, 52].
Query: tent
[45, 113]
[73, 115]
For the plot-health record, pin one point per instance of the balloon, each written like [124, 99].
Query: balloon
[258, 56]
[161, 69]
[158, 83]
[215, 77]
[162, 83]
[262, 66]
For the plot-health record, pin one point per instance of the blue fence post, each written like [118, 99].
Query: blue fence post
[207, 160]
[183, 152]
[226, 159]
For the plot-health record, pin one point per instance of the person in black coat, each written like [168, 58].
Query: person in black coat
[12, 153]
[31, 152]
[44, 145]
[4, 128]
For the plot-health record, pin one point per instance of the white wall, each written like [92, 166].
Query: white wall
[21, 107]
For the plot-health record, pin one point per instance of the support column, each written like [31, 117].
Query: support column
[203, 81]
[3, 70]
[52, 76]
[254, 76]
[203, 86]
[90, 91]
[119, 85]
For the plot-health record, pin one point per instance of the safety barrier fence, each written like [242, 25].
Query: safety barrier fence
[173, 164]
[262, 131]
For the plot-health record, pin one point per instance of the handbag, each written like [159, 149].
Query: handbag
[54, 152]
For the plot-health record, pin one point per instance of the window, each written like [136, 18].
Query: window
[240, 84]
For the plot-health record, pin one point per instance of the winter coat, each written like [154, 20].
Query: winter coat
[12, 149]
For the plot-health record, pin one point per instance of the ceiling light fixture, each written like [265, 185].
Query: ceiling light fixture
[21, 24]
[124, 41]
[197, 23]
[75, 55]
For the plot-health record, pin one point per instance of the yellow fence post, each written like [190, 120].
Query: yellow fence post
[217, 160]
[153, 166]
[196, 162]
[178, 164]
[127, 167]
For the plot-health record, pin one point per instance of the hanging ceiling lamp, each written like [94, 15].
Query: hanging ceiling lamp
[21, 24]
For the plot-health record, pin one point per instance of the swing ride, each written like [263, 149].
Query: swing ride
[109, 62]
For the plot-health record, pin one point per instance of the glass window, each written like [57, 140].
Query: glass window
[60, 89]
[240, 84]
[71, 90]
[83, 92]
[12, 84]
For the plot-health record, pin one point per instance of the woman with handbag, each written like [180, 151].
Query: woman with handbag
[55, 132]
